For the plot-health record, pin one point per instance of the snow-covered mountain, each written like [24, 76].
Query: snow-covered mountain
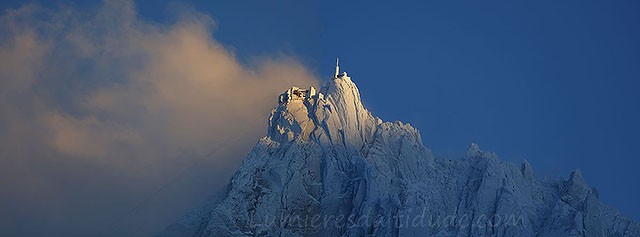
[327, 167]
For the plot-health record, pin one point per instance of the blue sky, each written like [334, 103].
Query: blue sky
[553, 82]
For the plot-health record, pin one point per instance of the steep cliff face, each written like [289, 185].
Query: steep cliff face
[327, 167]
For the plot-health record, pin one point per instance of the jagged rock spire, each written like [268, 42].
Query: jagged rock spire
[336, 116]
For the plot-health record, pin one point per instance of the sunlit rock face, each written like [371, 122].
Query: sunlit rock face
[327, 167]
[333, 118]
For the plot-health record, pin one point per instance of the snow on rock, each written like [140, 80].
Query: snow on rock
[327, 167]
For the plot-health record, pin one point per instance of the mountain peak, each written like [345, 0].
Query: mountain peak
[473, 151]
[334, 115]
[326, 156]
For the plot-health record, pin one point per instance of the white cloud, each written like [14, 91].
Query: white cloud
[114, 103]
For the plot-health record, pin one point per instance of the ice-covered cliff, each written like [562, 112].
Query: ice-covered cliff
[327, 167]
